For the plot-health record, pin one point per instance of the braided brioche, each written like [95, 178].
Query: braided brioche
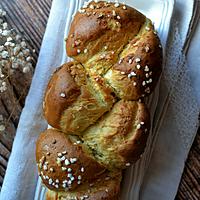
[107, 188]
[120, 44]
[73, 101]
[63, 163]
[119, 137]
[94, 104]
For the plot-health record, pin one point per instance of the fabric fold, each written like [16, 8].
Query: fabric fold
[21, 174]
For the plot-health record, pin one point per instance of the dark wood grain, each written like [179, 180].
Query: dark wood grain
[189, 187]
[30, 17]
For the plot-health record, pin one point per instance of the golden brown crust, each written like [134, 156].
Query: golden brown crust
[108, 39]
[133, 149]
[139, 67]
[119, 138]
[105, 188]
[118, 59]
[61, 92]
[102, 24]
[71, 103]
[63, 164]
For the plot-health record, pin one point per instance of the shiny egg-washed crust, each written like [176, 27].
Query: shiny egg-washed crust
[106, 188]
[114, 142]
[118, 61]
[72, 101]
[118, 43]
[145, 66]
[58, 157]
[96, 31]
[119, 137]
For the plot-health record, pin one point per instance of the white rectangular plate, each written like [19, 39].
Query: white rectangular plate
[159, 11]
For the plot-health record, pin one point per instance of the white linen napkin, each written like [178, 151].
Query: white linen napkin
[172, 146]
[161, 172]
[21, 174]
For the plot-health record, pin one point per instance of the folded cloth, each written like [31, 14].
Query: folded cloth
[21, 174]
[173, 133]
[180, 123]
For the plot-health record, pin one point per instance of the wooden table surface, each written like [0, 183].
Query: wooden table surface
[30, 17]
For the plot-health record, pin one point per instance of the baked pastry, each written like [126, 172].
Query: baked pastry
[120, 44]
[100, 123]
[106, 188]
[119, 137]
[63, 163]
[73, 101]
[113, 143]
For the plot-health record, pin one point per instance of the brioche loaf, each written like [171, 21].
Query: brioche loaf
[72, 101]
[95, 104]
[105, 188]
